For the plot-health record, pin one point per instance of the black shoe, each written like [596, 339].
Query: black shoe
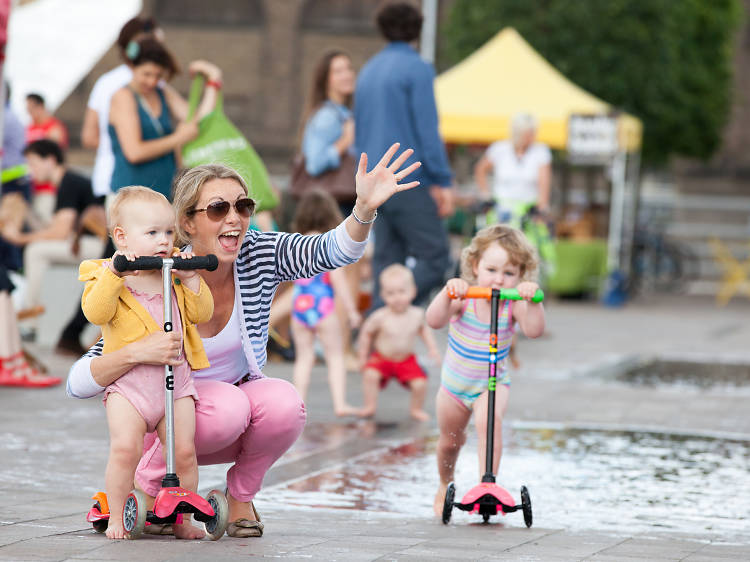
[67, 346]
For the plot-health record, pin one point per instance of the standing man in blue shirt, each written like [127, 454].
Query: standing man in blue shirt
[394, 101]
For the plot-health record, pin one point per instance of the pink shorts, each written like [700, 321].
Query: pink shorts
[143, 387]
[403, 371]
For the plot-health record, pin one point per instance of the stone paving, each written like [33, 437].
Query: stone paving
[54, 450]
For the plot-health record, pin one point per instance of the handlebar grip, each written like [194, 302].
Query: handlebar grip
[505, 294]
[512, 295]
[209, 262]
[479, 293]
[122, 263]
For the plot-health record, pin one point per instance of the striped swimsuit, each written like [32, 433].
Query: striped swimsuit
[466, 364]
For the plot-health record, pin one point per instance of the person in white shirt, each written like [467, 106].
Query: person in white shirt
[521, 171]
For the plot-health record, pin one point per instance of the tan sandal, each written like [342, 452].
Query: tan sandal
[243, 528]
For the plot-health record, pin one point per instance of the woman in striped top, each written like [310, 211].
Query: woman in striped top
[499, 257]
[242, 416]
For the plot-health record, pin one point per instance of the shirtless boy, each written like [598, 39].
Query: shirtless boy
[392, 332]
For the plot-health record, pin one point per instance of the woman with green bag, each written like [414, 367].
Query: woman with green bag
[141, 117]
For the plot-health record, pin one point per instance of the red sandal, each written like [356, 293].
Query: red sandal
[15, 371]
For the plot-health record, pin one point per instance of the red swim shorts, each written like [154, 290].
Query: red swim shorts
[403, 371]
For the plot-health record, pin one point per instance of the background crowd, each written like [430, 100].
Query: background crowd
[137, 123]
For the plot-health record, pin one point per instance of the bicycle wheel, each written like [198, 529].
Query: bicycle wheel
[667, 268]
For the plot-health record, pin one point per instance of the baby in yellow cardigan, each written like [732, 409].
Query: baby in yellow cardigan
[129, 306]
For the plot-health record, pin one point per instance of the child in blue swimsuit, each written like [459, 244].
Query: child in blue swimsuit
[313, 307]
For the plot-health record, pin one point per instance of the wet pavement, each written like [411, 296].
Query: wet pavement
[617, 468]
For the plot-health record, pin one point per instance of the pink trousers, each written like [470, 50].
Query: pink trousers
[251, 425]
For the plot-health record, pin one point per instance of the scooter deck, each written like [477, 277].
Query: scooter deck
[169, 505]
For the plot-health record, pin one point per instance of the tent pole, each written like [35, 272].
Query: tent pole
[616, 211]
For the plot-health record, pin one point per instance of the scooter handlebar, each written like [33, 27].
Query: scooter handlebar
[505, 294]
[209, 262]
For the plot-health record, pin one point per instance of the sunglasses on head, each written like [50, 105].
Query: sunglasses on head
[220, 209]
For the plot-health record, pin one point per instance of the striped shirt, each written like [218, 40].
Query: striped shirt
[466, 363]
[265, 260]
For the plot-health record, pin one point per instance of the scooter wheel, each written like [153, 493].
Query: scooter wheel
[217, 525]
[526, 505]
[134, 513]
[450, 494]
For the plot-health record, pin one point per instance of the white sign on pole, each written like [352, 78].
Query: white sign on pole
[592, 139]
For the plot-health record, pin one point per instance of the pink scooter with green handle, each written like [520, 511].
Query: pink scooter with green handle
[487, 498]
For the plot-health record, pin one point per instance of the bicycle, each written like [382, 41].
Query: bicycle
[658, 264]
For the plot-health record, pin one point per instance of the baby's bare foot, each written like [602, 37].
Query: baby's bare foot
[187, 531]
[420, 415]
[116, 530]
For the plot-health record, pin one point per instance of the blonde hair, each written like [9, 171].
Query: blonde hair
[520, 251]
[397, 270]
[127, 195]
[186, 191]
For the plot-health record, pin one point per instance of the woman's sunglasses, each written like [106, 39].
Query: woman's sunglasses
[220, 209]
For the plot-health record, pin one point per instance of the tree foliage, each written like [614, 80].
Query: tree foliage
[668, 62]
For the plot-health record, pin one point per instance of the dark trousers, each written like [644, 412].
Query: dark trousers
[11, 256]
[78, 323]
[408, 226]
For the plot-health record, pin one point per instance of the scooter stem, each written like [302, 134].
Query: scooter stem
[170, 479]
[492, 375]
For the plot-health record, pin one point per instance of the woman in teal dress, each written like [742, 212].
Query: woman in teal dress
[145, 141]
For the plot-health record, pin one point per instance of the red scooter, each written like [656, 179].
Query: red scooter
[487, 498]
[172, 500]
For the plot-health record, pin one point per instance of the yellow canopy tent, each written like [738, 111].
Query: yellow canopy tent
[477, 98]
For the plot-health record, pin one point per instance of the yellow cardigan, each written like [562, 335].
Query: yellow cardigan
[108, 303]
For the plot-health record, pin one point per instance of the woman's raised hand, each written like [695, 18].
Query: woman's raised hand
[208, 69]
[377, 186]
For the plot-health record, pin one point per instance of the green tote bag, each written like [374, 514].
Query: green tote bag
[219, 142]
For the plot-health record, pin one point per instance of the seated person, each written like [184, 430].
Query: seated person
[15, 192]
[53, 244]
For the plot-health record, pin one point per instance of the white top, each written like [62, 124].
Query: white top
[228, 361]
[516, 180]
[100, 100]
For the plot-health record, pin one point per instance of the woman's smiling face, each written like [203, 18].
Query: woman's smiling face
[222, 237]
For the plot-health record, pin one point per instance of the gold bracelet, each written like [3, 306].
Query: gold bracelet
[360, 221]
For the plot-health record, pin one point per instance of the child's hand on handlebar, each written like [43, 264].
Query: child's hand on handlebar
[111, 263]
[456, 288]
[527, 289]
